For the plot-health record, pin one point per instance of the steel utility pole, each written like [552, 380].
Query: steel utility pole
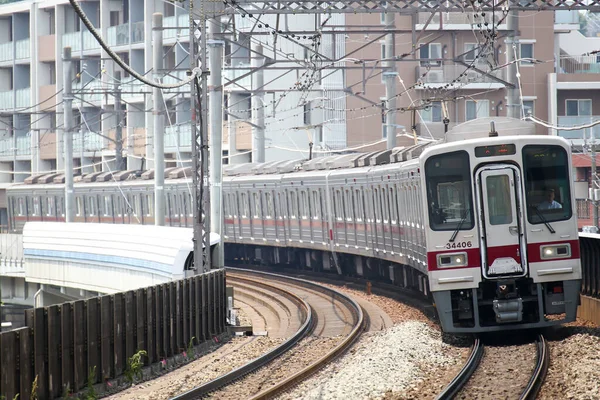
[258, 110]
[390, 76]
[119, 128]
[159, 121]
[68, 135]
[512, 42]
[215, 57]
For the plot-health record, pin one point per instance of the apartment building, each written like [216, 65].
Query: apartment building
[561, 87]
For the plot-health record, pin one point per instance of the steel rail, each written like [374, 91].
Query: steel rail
[223, 380]
[463, 376]
[539, 373]
[335, 352]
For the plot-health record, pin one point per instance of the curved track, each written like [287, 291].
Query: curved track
[329, 314]
[531, 389]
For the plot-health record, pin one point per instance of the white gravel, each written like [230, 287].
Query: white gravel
[381, 363]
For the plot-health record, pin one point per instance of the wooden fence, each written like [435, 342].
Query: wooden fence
[62, 343]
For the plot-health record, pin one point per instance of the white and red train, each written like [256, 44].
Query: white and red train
[484, 225]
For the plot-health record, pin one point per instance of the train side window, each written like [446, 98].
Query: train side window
[270, 209]
[305, 209]
[392, 204]
[36, 205]
[61, 207]
[92, 205]
[349, 206]
[376, 205]
[316, 206]
[293, 204]
[256, 201]
[50, 206]
[358, 201]
[339, 210]
[244, 199]
[135, 205]
[191, 205]
[78, 206]
[107, 205]
[384, 205]
[21, 206]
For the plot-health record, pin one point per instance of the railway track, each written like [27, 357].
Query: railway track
[532, 388]
[328, 314]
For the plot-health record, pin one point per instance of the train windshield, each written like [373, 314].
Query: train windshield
[449, 197]
[547, 183]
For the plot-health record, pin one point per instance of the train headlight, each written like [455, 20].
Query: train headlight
[556, 251]
[452, 260]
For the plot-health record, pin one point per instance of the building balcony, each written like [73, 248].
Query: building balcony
[87, 142]
[89, 42]
[578, 136]
[22, 49]
[580, 64]
[11, 147]
[459, 20]
[6, 51]
[89, 91]
[23, 98]
[180, 21]
[118, 35]
[231, 74]
[24, 145]
[176, 77]
[181, 134]
[566, 20]
[72, 40]
[439, 76]
[7, 100]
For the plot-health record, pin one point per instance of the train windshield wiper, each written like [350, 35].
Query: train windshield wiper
[460, 224]
[544, 220]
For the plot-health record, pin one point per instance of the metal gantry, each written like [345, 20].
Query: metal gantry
[203, 10]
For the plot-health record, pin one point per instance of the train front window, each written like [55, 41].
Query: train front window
[547, 190]
[449, 196]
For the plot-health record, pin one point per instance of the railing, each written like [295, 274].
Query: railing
[184, 132]
[88, 89]
[7, 100]
[89, 42]
[23, 49]
[180, 21]
[577, 121]
[24, 145]
[580, 64]
[176, 77]
[118, 35]
[23, 97]
[7, 147]
[231, 74]
[460, 18]
[6, 51]
[137, 32]
[73, 40]
[436, 73]
[91, 142]
[566, 17]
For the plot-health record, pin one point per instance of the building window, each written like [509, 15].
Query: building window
[576, 107]
[430, 51]
[477, 109]
[526, 51]
[307, 113]
[433, 113]
[527, 109]
[470, 52]
[382, 50]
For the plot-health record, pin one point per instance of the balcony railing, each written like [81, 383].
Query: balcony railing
[73, 40]
[231, 74]
[23, 97]
[118, 35]
[88, 91]
[89, 42]
[7, 100]
[184, 131]
[447, 73]
[180, 21]
[580, 64]
[579, 134]
[24, 145]
[566, 17]
[6, 51]
[137, 32]
[460, 18]
[23, 49]
[91, 142]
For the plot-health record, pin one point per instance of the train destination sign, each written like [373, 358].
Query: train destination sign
[497, 150]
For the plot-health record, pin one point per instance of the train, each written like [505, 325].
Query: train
[483, 221]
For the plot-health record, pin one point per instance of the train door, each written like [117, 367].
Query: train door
[500, 219]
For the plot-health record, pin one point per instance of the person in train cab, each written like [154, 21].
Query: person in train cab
[549, 203]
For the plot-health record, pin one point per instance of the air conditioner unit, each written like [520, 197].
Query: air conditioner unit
[435, 76]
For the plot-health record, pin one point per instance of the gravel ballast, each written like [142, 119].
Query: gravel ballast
[382, 364]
